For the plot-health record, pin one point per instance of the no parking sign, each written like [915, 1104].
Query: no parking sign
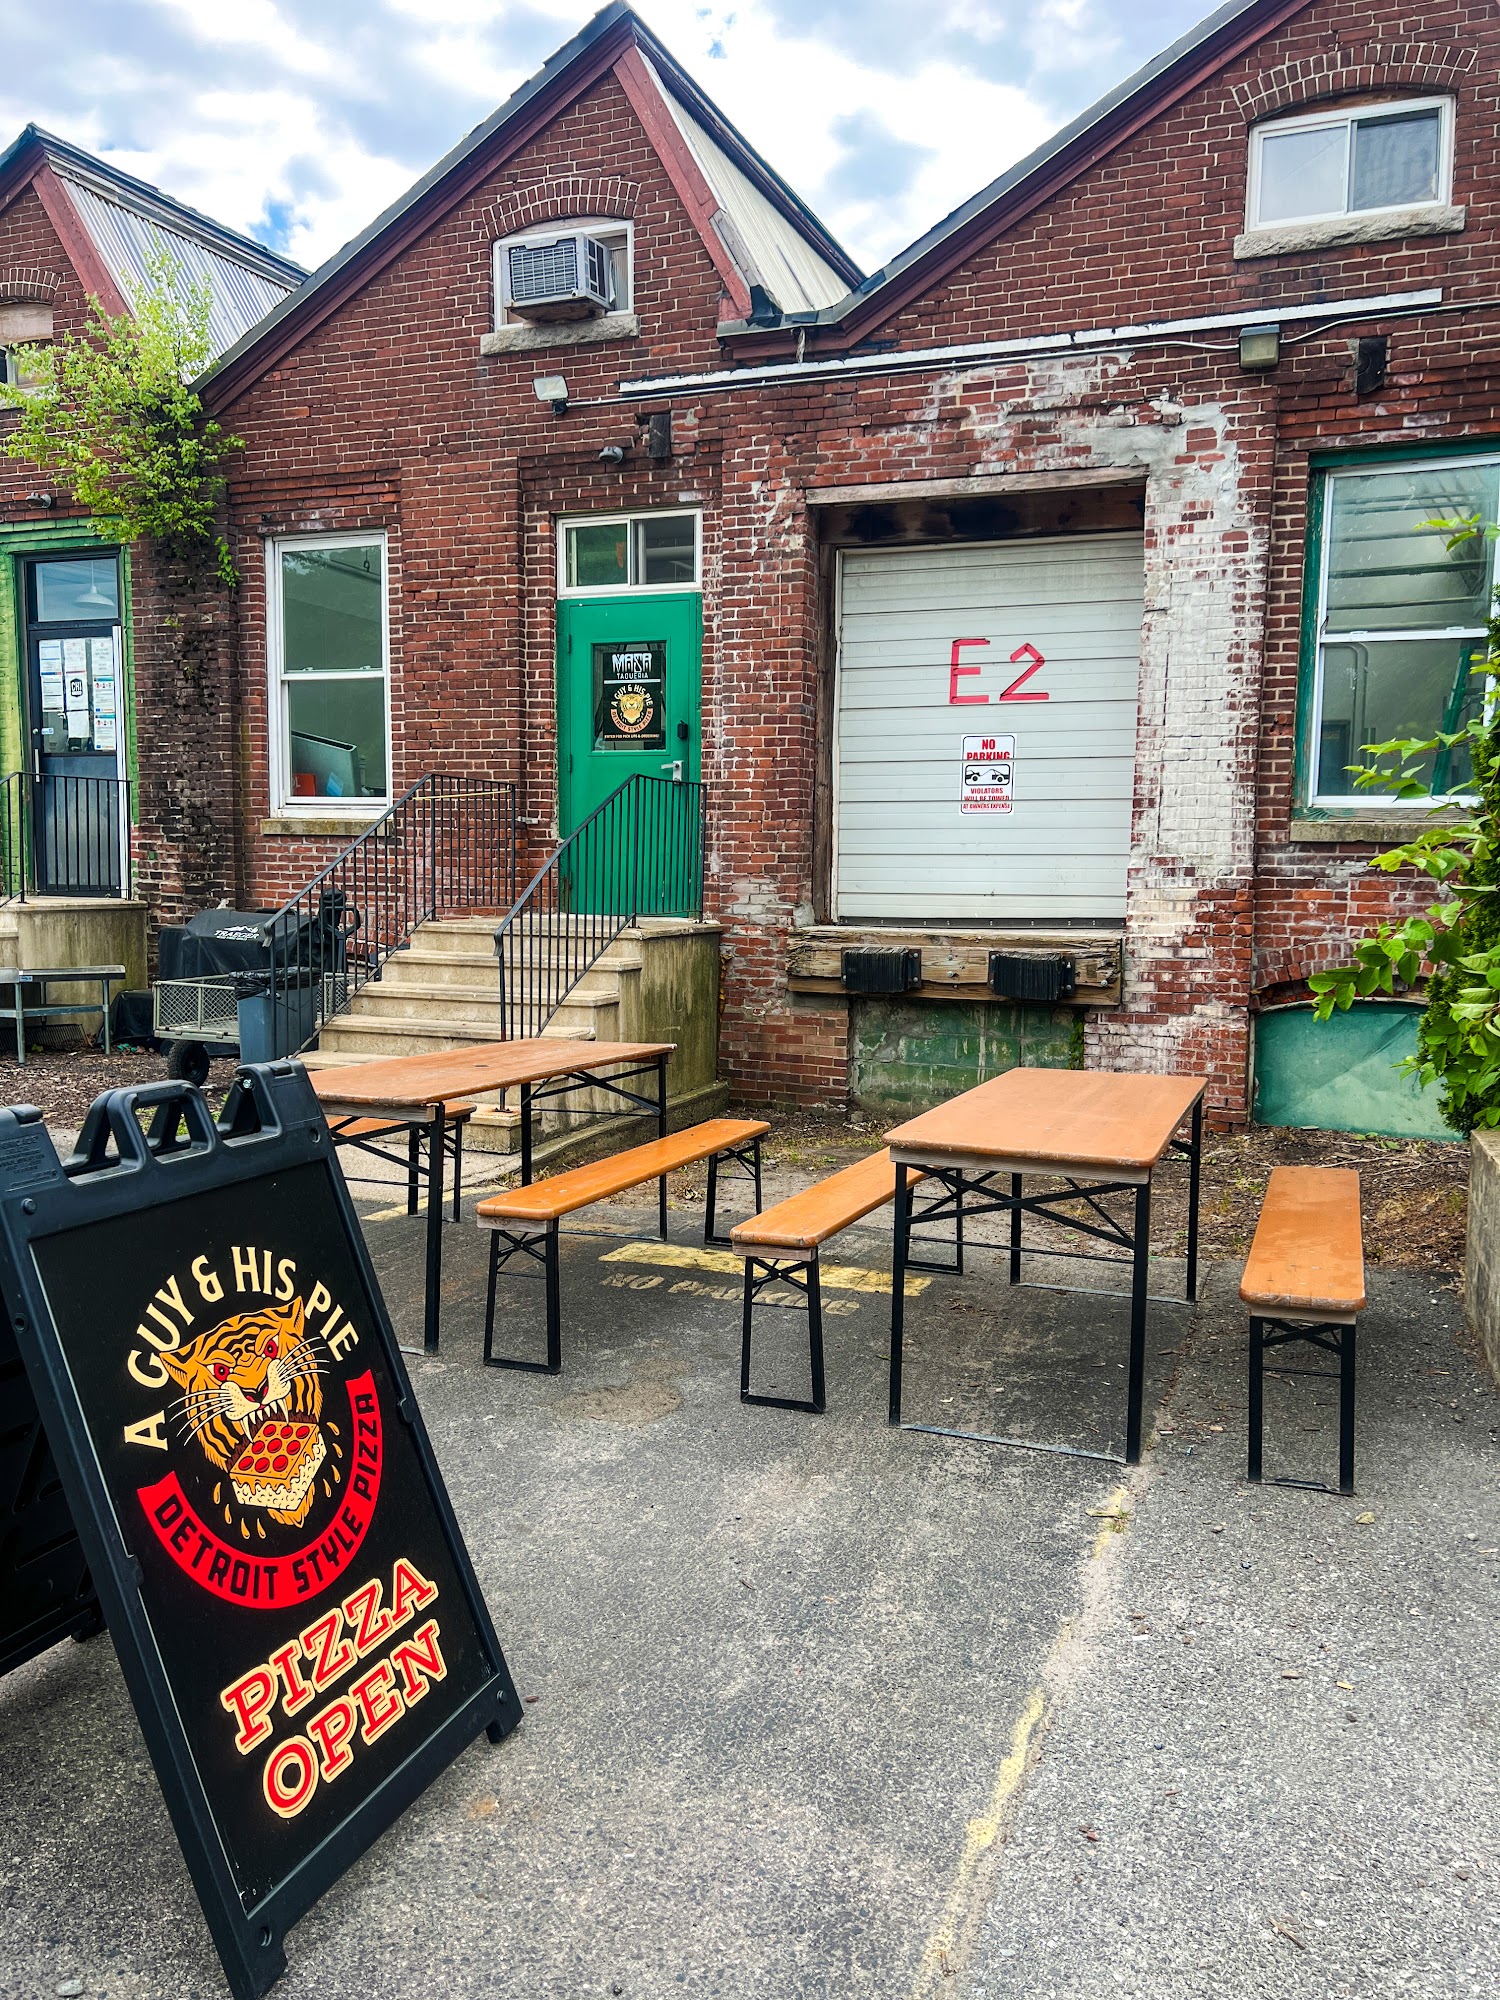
[989, 774]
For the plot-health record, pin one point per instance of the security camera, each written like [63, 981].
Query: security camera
[612, 454]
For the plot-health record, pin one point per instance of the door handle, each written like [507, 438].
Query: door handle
[675, 767]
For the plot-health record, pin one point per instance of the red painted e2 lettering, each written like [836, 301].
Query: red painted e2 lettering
[1012, 692]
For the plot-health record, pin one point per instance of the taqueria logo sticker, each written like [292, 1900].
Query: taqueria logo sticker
[264, 1436]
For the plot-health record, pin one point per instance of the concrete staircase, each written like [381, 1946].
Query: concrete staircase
[443, 992]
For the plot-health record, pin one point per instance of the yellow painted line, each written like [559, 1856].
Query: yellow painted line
[951, 1938]
[939, 1959]
[1115, 1514]
[834, 1277]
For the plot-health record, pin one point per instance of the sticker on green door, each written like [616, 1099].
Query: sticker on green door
[628, 683]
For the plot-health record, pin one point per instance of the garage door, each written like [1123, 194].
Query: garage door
[986, 730]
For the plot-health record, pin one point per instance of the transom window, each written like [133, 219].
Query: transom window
[1354, 162]
[328, 652]
[628, 552]
[615, 237]
[1401, 620]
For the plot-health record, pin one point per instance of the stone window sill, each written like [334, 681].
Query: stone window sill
[321, 827]
[522, 339]
[1285, 239]
[1370, 829]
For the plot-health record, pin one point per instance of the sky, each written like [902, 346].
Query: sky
[297, 121]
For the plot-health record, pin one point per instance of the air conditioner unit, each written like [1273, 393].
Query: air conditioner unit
[565, 279]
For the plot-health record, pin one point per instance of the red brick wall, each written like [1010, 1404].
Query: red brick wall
[34, 265]
[388, 416]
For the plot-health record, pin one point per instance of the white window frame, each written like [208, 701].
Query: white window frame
[284, 802]
[1322, 638]
[584, 225]
[627, 521]
[1351, 115]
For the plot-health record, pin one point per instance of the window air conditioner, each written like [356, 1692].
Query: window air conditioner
[567, 279]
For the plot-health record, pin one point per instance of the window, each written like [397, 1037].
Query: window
[629, 552]
[21, 324]
[1400, 621]
[326, 599]
[1355, 162]
[615, 236]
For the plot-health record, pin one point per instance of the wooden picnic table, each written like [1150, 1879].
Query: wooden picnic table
[1100, 1133]
[419, 1091]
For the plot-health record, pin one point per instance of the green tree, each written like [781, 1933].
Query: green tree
[1455, 944]
[108, 412]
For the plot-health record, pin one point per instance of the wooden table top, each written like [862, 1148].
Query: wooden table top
[1040, 1119]
[421, 1081]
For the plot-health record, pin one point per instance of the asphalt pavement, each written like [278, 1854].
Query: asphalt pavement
[817, 1708]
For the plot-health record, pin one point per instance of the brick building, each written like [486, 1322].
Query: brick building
[74, 229]
[1131, 452]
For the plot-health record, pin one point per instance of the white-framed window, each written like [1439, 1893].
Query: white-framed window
[1357, 161]
[1401, 620]
[616, 237]
[598, 554]
[328, 647]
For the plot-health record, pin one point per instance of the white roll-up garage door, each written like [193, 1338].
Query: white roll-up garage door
[972, 783]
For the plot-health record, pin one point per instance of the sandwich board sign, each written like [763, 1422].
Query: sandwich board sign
[294, 1612]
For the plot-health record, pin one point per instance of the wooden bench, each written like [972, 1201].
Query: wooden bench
[781, 1247]
[523, 1214]
[362, 1134]
[1305, 1281]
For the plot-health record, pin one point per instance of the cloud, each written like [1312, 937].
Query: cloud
[299, 120]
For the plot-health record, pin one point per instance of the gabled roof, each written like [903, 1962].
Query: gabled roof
[1180, 69]
[770, 250]
[110, 223]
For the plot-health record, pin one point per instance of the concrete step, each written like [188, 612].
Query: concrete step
[432, 1003]
[402, 1035]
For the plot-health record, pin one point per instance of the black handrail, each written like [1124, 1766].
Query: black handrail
[639, 854]
[64, 835]
[448, 844]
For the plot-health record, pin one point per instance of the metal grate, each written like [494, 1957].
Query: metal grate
[543, 270]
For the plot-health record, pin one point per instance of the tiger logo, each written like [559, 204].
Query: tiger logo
[252, 1401]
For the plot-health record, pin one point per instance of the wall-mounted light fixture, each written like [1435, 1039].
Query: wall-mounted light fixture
[612, 454]
[1260, 348]
[41, 499]
[552, 389]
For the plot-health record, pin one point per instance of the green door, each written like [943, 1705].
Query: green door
[629, 687]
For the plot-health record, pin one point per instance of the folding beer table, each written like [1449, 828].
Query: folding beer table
[1099, 1133]
[421, 1090]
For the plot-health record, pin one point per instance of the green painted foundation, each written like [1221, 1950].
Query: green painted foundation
[1341, 1075]
[907, 1055]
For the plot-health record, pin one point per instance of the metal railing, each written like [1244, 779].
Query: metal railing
[448, 845]
[64, 836]
[639, 854]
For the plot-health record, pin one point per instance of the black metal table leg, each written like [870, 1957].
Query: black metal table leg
[526, 1135]
[458, 1164]
[1015, 1230]
[1136, 1392]
[1257, 1418]
[413, 1166]
[1346, 1408]
[902, 1232]
[661, 1133]
[435, 1156]
[1195, 1170]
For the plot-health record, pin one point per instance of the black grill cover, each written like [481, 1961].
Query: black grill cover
[248, 941]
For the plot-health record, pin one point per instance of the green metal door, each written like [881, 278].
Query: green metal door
[629, 695]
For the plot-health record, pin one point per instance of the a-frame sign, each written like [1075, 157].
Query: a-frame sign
[253, 1491]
